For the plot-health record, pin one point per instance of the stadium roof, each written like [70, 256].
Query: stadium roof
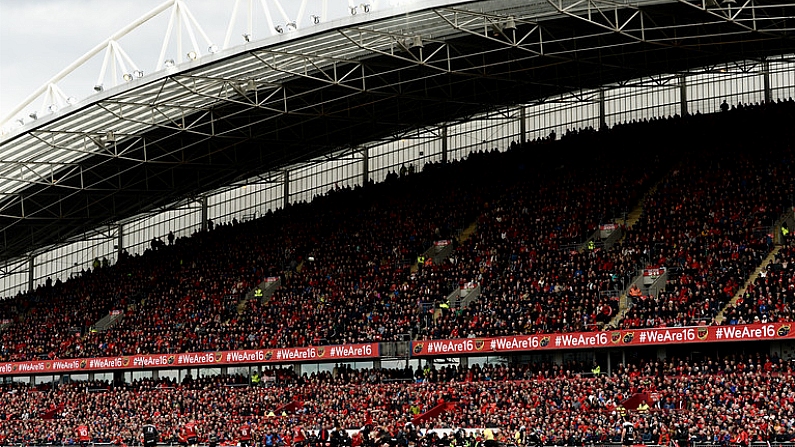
[266, 105]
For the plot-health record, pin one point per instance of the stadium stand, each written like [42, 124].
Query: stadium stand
[349, 274]
[346, 258]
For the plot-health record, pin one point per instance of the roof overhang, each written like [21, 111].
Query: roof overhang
[267, 105]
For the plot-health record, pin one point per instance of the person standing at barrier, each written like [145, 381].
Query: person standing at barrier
[627, 433]
[191, 434]
[245, 434]
[83, 435]
[149, 434]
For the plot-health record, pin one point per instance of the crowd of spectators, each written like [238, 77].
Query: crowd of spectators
[710, 400]
[710, 229]
[770, 296]
[345, 259]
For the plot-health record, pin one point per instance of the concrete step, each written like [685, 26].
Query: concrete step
[623, 306]
[741, 291]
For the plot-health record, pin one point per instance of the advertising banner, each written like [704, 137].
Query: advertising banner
[607, 339]
[194, 359]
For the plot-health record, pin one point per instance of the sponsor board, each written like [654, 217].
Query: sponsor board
[312, 353]
[617, 338]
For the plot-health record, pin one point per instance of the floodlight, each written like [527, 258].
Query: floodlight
[315, 19]
[98, 88]
[247, 37]
[291, 26]
[279, 29]
[52, 108]
[192, 55]
[71, 100]
[169, 63]
[138, 73]
[510, 23]
[365, 7]
[127, 77]
[34, 116]
[353, 10]
[212, 48]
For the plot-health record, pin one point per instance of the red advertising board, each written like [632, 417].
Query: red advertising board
[607, 339]
[194, 359]
[655, 272]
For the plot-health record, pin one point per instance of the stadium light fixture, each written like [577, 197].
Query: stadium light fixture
[127, 77]
[292, 26]
[315, 19]
[34, 116]
[168, 63]
[99, 88]
[192, 55]
[365, 7]
[138, 73]
[212, 49]
[71, 100]
[52, 108]
[279, 29]
[353, 10]
[418, 41]
[247, 37]
[510, 23]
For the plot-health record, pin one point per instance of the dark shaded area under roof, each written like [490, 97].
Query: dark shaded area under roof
[484, 74]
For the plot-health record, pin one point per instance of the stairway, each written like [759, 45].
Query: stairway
[634, 216]
[439, 409]
[623, 306]
[770, 257]
[267, 288]
[468, 231]
[465, 234]
[108, 321]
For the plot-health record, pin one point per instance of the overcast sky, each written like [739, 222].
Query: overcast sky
[39, 38]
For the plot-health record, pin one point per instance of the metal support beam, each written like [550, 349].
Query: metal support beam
[766, 75]
[286, 188]
[120, 242]
[31, 264]
[365, 166]
[683, 95]
[602, 117]
[522, 124]
[203, 202]
[443, 133]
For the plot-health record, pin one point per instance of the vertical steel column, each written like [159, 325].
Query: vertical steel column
[444, 143]
[31, 264]
[365, 166]
[766, 76]
[602, 118]
[286, 188]
[120, 242]
[203, 202]
[522, 124]
[683, 95]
